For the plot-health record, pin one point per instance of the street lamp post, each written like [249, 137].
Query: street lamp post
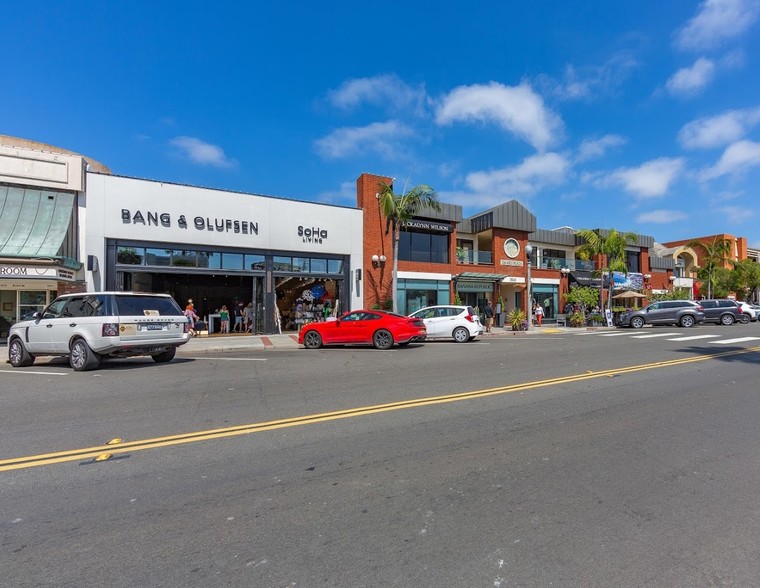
[528, 251]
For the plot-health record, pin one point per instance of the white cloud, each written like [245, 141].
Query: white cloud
[735, 214]
[201, 152]
[383, 90]
[650, 180]
[690, 80]
[716, 22]
[382, 138]
[527, 178]
[661, 216]
[590, 82]
[517, 109]
[346, 193]
[717, 131]
[737, 158]
[594, 148]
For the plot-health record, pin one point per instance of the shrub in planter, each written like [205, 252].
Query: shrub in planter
[516, 319]
[577, 319]
[595, 320]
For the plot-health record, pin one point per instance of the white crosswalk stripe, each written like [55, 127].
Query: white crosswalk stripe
[737, 340]
[653, 336]
[694, 337]
[615, 335]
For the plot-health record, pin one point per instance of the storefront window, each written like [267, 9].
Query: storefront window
[300, 264]
[160, 257]
[214, 260]
[427, 247]
[184, 258]
[232, 261]
[283, 264]
[334, 266]
[130, 255]
[416, 294]
[254, 262]
[318, 266]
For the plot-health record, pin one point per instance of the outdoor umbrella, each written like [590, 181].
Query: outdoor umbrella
[628, 294]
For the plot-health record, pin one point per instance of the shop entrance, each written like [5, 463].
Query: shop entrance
[302, 300]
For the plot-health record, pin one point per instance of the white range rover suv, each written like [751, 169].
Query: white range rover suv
[90, 326]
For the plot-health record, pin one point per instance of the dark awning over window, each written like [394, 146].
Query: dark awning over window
[33, 223]
[585, 279]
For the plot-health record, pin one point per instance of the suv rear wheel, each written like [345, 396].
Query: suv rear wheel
[727, 319]
[687, 321]
[82, 358]
[166, 356]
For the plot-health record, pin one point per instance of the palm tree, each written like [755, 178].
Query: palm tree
[398, 209]
[610, 249]
[715, 257]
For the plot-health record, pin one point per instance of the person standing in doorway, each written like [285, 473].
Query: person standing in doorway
[539, 314]
[238, 328]
[489, 316]
[224, 319]
[248, 317]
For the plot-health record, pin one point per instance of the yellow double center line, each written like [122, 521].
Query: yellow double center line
[89, 453]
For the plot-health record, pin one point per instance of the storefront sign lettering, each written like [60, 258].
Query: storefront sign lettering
[429, 226]
[312, 235]
[164, 219]
[514, 262]
[10, 270]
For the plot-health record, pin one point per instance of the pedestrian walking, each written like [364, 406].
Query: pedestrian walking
[192, 318]
[248, 317]
[224, 319]
[539, 314]
[489, 316]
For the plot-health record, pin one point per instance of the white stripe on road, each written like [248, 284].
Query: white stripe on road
[615, 334]
[739, 340]
[225, 358]
[693, 337]
[34, 373]
[652, 336]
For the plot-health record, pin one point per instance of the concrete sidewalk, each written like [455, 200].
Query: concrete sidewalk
[235, 343]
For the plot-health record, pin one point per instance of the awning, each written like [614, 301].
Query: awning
[33, 223]
[479, 277]
[583, 278]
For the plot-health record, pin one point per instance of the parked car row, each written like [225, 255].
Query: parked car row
[383, 329]
[687, 313]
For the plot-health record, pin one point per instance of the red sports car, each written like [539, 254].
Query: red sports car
[372, 327]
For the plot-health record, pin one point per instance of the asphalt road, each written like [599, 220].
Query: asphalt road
[624, 458]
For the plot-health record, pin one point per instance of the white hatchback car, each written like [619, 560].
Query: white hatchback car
[450, 321]
[749, 309]
[91, 326]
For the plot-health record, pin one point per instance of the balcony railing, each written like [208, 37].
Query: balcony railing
[571, 264]
[475, 257]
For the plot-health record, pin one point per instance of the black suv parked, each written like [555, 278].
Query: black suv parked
[666, 312]
[723, 312]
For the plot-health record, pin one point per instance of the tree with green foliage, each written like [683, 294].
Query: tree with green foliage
[609, 248]
[583, 296]
[398, 209]
[745, 279]
[715, 256]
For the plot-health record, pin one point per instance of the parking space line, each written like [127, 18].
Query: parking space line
[738, 340]
[693, 337]
[652, 336]
[22, 372]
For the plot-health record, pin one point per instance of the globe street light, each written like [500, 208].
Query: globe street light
[528, 251]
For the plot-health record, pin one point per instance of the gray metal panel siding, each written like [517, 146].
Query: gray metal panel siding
[665, 263]
[448, 212]
[513, 215]
[553, 237]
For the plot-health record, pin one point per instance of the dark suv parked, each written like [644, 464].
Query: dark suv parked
[666, 312]
[723, 312]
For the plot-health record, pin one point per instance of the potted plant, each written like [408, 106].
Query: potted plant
[577, 319]
[517, 319]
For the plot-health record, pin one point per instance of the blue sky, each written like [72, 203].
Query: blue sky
[643, 116]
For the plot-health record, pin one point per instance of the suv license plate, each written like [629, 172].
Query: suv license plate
[152, 327]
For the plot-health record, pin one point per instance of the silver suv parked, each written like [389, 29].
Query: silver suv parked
[666, 312]
[90, 326]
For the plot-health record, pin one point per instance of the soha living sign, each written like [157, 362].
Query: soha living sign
[201, 223]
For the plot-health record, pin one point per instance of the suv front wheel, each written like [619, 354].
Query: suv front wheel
[637, 322]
